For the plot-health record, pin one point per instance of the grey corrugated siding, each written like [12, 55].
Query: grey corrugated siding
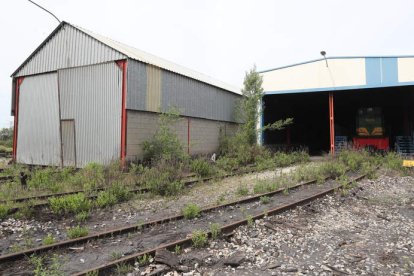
[197, 99]
[91, 96]
[136, 85]
[69, 47]
[193, 98]
[38, 140]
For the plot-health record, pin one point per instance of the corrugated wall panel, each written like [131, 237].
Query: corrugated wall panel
[193, 98]
[136, 85]
[91, 96]
[38, 140]
[69, 47]
[197, 99]
[153, 88]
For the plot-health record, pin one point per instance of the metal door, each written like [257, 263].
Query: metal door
[68, 143]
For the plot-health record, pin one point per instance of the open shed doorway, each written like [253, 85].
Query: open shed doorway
[310, 112]
[310, 128]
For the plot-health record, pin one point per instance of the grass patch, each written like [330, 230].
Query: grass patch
[70, 204]
[199, 238]
[82, 216]
[215, 230]
[191, 211]
[48, 240]
[77, 232]
[264, 199]
[201, 167]
[4, 211]
[242, 190]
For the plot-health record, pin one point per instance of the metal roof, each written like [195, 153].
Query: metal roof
[334, 57]
[142, 56]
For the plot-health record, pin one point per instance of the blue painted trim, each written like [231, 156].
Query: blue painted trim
[373, 71]
[338, 57]
[389, 70]
[325, 89]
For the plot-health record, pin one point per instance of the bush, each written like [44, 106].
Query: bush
[191, 210]
[353, 159]
[165, 143]
[114, 194]
[332, 169]
[70, 204]
[105, 199]
[283, 159]
[164, 178]
[199, 238]
[393, 161]
[77, 232]
[201, 167]
[92, 176]
[227, 164]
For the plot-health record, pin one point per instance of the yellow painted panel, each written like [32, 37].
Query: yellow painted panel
[153, 102]
[340, 72]
[405, 69]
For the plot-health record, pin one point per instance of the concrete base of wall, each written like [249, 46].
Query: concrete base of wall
[198, 136]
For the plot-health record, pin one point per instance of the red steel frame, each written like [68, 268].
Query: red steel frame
[123, 65]
[19, 81]
[331, 123]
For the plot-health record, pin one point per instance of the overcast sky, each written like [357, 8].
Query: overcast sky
[222, 39]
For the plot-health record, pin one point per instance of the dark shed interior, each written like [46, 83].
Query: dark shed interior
[310, 112]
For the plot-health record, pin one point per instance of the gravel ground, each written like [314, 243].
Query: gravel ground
[368, 232]
[17, 234]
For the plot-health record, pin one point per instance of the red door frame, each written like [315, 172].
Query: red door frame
[19, 81]
[331, 123]
[123, 65]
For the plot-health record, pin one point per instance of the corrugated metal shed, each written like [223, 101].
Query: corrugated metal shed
[61, 50]
[66, 47]
[38, 140]
[91, 96]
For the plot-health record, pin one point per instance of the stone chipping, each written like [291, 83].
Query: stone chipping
[370, 231]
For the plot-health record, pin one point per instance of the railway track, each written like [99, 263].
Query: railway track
[106, 268]
[187, 182]
[152, 234]
[140, 226]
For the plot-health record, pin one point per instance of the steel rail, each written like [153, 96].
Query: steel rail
[131, 259]
[140, 226]
[143, 190]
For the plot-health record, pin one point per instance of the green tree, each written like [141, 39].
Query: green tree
[250, 108]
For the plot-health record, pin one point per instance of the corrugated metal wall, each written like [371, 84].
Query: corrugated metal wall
[38, 140]
[69, 47]
[136, 85]
[68, 143]
[193, 98]
[154, 81]
[91, 96]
